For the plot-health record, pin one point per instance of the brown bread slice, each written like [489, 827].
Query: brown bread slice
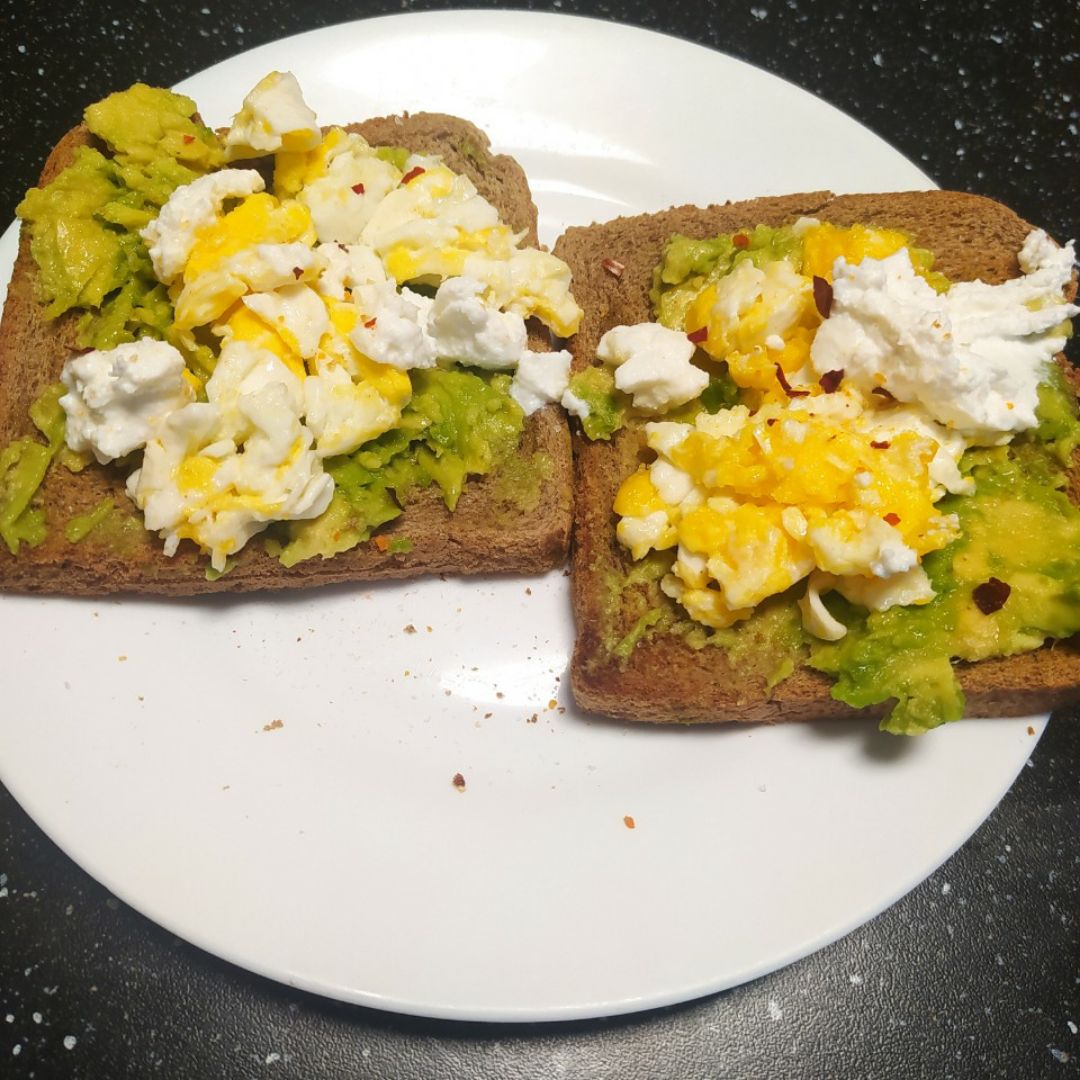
[516, 520]
[664, 678]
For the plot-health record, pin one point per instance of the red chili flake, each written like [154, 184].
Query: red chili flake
[629, 822]
[741, 240]
[297, 273]
[781, 378]
[413, 173]
[883, 445]
[699, 335]
[830, 381]
[370, 324]
[892, 519]
[882, 392]
[188, 139]
[458, 781]
[771, 421]
[822, 296]
[991, 595]
[358, 189]
[613, 267]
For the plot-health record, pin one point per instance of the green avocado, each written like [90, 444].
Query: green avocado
[458, 423]
[607, 406]
[688, 265]
[84, 225]
[23, 464]
[906, 653]
[80, 526]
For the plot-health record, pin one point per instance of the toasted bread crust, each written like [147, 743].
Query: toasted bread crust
[483, 535]
[665, 679]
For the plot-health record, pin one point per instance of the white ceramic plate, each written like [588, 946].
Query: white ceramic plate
[270, 777]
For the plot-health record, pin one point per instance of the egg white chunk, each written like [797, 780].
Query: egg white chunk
[468, 331]
[528, 282]
[243, 369]
[171, 235]
[219, 476]
[296, 312]
[853, 542]
[430, 211]
[816, 617]
[259, 268]
[344, 266]
[345, 198]
[273, 117]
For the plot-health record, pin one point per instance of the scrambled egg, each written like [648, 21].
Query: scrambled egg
[816, 480]
[755, 502]
[756, 319]
[274, 117]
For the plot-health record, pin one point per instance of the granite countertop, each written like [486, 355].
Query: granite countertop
[972, 974]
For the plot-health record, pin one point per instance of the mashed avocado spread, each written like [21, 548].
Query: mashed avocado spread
[458, 423]
[1000, 589]
[23, 464]
[905, 652]
[84, 223]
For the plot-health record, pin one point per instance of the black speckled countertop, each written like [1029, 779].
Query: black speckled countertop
[975, 973]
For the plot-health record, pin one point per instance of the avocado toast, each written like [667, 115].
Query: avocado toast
[639, 656]
[81, 534]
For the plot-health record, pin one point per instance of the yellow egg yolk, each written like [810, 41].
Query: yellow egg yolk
[294, 170]
[778, 326]
[258, 219]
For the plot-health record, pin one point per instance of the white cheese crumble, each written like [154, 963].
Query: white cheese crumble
[972, 357]
[393, 327]
[652, 364]
[540, 378]
[115, 397]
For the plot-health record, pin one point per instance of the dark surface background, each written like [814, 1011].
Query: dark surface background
[975, 973]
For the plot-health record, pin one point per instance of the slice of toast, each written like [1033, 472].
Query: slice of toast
[514, 520]
[663, 678]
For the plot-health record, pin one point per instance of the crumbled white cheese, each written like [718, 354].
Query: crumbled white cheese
[540, 378]
[575, 405]
[393, 327]
[116, 397]
[652, 364]
[972, 357]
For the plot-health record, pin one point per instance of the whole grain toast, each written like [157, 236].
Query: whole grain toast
[663, 678]
[500, 524]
